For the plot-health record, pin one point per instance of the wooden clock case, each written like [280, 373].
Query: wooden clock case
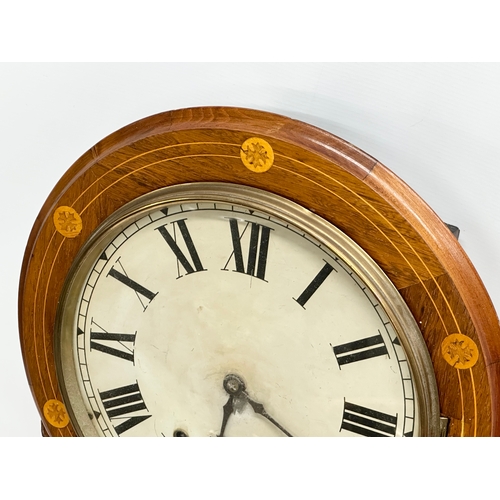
[315, 169]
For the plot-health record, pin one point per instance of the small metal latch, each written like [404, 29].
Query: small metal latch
[443, 426]
[454, 230]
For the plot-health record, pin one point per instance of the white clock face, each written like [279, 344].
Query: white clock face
[209, 318]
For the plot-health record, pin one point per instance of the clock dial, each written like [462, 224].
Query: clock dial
[202, 312]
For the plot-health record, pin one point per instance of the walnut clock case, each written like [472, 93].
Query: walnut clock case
[227, 272]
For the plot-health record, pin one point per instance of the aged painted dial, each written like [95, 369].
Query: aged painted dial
[204, 316]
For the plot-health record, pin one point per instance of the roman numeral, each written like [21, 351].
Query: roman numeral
[315, 284]
[115, 343]
[358, 350]
[258, 247]
[190, 267]
[368, 422]
[144, 295]
[119, 403]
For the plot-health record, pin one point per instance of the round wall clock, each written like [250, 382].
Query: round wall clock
[229, 272]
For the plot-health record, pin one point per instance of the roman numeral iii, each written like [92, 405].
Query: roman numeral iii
[195, 264]
[120, 403]
[258, 248]
[368, 422]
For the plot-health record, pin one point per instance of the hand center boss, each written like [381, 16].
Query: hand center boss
[238, 397]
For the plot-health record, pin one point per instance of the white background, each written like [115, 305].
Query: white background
[437, 126]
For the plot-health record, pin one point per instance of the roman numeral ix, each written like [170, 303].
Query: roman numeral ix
[190, 267]
[119, 403]
[120, 345]
[258, 247]
[368, 422]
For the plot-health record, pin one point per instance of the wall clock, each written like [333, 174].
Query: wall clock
[226, 272]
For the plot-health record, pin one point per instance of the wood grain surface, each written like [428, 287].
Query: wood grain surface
[311, 167]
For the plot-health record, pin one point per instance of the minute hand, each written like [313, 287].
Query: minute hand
[259, 408]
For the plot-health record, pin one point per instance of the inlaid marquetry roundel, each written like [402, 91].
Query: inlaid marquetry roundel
[230, 272]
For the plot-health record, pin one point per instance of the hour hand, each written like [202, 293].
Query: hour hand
[227, 409]
[235, 387]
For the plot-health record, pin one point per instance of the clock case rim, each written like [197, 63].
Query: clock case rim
[403, 200]
[366, 269]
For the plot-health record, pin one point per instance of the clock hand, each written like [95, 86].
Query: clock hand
[227, 409]
[259, 408]
[235, 387]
